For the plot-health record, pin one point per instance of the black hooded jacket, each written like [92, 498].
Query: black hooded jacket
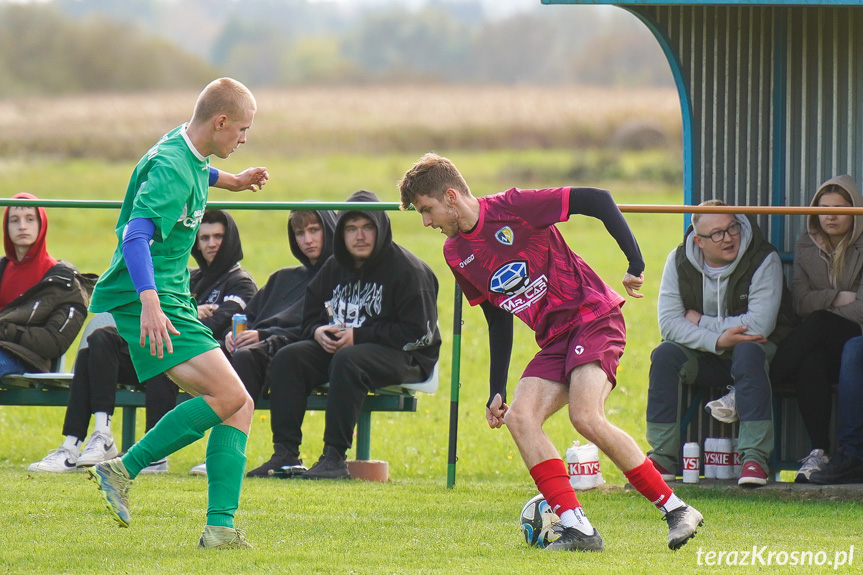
[223, 282]
[277, 310]
[391, 300]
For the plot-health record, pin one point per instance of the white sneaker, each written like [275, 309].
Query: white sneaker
[723, 409]
[815, 461]
[160, 466]
[99, 447]
[200, 469]
[57, 461]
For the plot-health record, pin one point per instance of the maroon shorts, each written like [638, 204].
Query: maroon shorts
[602, 340]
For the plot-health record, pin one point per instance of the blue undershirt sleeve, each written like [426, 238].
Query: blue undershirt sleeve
[214, 176]
[136, 252]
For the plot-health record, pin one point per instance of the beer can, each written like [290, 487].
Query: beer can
[691, 463]
[238, 323]
[737, 467]
[711, 457]
[725, 464]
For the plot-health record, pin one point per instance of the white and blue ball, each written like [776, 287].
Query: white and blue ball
[540, 525]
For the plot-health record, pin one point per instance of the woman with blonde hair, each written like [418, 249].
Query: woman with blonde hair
[826, 289]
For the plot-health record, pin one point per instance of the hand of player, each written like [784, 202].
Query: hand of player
[155, 325]
[633, 284]
[250, 179]
[734, 335]
[495, 412]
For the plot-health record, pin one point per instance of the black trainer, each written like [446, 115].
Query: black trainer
[841, 469]
[574, 540]
[683, 524]
[282, 457]
[331, 465]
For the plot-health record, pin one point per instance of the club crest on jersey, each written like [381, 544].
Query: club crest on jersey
[504, 235]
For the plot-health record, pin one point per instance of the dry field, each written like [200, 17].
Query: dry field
[359, 119]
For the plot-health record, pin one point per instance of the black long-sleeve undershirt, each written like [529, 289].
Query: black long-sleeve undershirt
[600, 204]
[499, 348]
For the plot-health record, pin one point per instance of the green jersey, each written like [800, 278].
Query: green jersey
[170, 187]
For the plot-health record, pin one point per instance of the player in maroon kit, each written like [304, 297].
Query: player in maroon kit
[509, 258]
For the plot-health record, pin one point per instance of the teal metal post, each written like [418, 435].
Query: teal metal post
[454, 389]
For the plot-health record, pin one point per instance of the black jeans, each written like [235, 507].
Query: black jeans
[98, 369]
[808, 360]
[352, 372]
[253, 362]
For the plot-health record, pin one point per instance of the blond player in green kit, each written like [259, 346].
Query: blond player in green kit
[146, 289]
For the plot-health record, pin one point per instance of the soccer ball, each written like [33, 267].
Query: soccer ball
[540, 525]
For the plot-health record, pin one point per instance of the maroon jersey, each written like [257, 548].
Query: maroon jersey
[518, 260]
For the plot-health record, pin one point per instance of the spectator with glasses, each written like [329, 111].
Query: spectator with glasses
[720, 322]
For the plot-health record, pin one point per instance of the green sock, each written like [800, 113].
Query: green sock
[226, 467]
[181, 426]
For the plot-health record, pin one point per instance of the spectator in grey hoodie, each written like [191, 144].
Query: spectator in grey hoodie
[720, 321]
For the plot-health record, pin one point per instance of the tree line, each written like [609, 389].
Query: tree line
[75, 46]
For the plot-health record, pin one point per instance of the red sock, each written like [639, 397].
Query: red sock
[552, 480]
[646, 479]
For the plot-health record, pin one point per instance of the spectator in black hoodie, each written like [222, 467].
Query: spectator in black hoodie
[274, 316]
[369, 321]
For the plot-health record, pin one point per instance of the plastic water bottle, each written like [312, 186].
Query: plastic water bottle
[691, 462]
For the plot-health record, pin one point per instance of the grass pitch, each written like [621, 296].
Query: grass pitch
[413, 524]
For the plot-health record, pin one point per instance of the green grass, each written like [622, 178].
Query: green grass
[57, 524]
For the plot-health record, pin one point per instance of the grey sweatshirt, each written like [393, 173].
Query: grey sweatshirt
[764, 298]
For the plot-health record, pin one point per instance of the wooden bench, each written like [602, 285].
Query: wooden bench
[52, 389]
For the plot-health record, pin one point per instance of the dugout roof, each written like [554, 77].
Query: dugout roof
[771, 97]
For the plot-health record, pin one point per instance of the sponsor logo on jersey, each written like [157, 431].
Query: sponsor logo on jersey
[466, 261]
[192, 221]
[510, 278]
[530, 294]
[513, 279]
[504, 235]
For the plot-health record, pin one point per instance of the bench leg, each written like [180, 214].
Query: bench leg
[364, 429]
[128, 427]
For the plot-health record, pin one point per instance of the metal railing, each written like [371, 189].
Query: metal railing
[457, 309]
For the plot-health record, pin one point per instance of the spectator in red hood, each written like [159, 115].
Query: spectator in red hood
[43, 302]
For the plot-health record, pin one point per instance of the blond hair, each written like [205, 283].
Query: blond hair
[223, 96]
[431, 176]
[697, 216]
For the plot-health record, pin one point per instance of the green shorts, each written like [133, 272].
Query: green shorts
[195, 338]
